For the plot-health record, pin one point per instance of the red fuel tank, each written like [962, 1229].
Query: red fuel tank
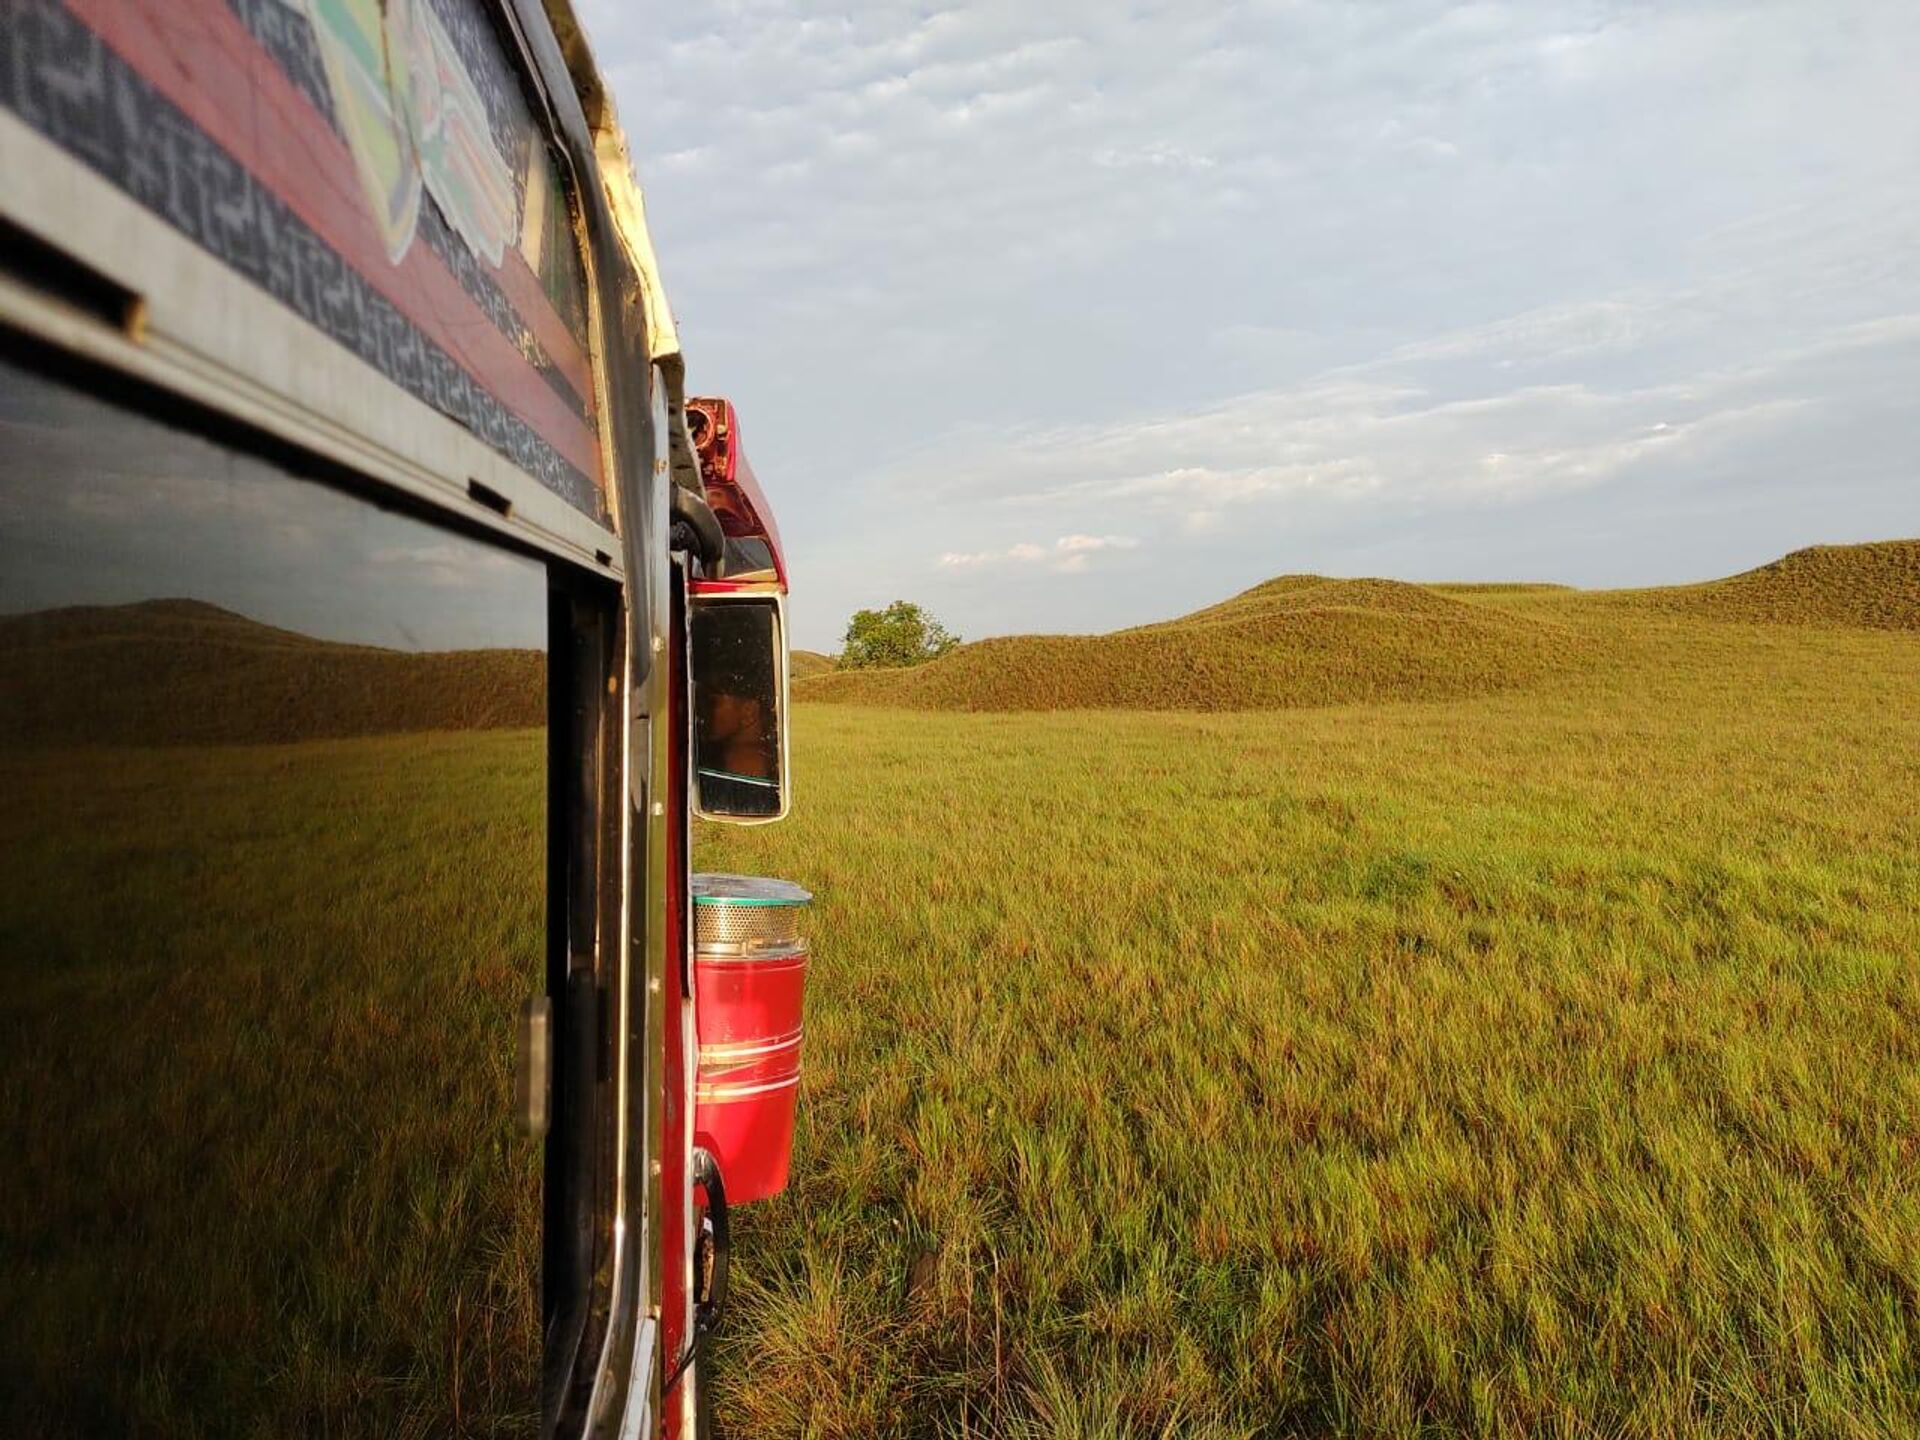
[750, 983]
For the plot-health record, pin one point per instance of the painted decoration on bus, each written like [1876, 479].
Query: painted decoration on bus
[374, 165]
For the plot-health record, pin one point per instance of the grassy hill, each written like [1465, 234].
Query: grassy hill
[185, 672]
[1306, 640]
[1297, 641]
[1874, 587]
[808, 663]
[1498, 587]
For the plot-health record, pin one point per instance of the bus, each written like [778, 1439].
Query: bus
[378, 610]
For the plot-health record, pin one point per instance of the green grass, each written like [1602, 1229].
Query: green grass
[1542, 1063]
[254, 1095]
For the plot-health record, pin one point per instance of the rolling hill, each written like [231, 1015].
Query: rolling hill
[1296, 641]
[1870, 587]
[1306, 640]
[186, 672]
[808, 663]
[183, 671]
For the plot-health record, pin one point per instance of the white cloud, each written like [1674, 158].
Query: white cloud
[1384, 438]
[1082, 544]
[1069, 555]
[1156, 156]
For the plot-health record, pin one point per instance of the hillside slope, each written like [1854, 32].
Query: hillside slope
[185, 672]
[1296, 641]
[808, 663]
[1873, 587]
[1305, 640]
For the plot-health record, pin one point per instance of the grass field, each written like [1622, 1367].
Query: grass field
[1541, 1062]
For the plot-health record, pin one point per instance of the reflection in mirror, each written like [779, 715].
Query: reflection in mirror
[737, 693]
[272, 893]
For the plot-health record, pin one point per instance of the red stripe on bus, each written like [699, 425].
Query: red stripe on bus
[530, 300]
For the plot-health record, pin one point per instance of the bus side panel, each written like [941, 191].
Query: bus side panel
[376, 170]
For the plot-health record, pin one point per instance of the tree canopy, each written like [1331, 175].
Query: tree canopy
[901, 634]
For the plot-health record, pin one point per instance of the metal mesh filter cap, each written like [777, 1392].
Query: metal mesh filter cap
[746, 912]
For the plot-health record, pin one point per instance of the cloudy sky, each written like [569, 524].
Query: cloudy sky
[1067, 316]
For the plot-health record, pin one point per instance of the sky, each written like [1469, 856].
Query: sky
[1070, 316]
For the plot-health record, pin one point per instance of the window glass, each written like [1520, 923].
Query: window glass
[272, 893]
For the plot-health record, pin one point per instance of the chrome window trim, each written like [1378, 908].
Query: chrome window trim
[627, 1374]
[638, 1421]
[210, 336]
[687, 1400]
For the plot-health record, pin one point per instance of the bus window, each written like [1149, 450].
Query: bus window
[272, 896]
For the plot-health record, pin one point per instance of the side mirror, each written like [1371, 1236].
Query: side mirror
[738, 652]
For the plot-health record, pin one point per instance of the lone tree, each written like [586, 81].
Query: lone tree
[901, 634]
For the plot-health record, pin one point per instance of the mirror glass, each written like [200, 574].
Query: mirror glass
[736, 656]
